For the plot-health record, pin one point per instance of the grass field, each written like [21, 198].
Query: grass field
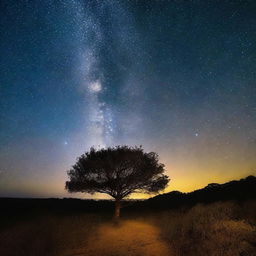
[217, 229]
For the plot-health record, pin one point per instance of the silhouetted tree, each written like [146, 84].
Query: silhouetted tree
[117, 171]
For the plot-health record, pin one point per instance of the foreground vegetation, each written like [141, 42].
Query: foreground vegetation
[218, 229]
[222, 228]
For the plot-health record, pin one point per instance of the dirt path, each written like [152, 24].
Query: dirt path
[129, 238]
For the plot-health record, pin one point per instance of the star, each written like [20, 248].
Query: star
[93, 74]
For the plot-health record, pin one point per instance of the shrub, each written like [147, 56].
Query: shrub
[216, 229]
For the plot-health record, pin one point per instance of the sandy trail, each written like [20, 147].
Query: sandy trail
[129, 238]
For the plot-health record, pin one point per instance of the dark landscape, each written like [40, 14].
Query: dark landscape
[219, 219]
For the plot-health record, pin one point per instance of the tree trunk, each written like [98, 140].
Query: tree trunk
[117, 209]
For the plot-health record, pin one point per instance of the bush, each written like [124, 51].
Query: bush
[217, 229]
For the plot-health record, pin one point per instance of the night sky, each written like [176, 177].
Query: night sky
[177, 77]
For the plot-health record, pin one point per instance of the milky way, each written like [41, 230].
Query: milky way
[177, 77]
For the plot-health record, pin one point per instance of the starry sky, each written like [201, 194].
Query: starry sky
[177, 77]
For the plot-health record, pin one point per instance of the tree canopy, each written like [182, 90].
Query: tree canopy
[117, 171]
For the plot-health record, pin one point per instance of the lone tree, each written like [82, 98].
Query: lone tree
[118, 171]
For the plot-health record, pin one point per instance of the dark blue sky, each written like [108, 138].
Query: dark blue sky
[177, 77]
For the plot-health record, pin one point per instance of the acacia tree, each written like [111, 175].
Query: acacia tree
[118, 171]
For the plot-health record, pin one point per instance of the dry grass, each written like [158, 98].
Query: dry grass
[219, 229]
[48, 236]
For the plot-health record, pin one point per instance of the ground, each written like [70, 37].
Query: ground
[221, 228]
[128, 238]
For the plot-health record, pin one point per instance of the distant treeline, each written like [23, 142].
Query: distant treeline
[242, 190]
[31, 206]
